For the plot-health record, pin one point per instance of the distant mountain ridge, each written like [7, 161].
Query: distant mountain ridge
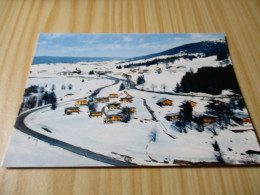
[209, 48]
[54, 59]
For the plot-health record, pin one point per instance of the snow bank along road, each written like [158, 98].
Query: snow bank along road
[20, 125]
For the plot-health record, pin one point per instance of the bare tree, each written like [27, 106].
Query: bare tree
[153, 86]
[164, 86]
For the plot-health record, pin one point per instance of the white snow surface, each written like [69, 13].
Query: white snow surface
[133, 139]
[27, 151]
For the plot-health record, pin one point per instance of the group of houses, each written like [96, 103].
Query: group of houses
[203, 119]
[118, 116]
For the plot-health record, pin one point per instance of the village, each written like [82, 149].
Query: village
[168, 109]
[140, 118]
[114, 109]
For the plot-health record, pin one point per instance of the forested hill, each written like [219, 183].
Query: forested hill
[210, 80]
[209, 48]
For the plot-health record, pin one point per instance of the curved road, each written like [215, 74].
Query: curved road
[75, 149]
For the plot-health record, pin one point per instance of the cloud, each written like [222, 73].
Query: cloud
[127, 39]
[110, 46]
[51, 36]
[140, 40]
[177, 39]
[144, 46]
[42, 42]
[197, 35]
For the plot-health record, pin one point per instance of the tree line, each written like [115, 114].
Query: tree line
[157, 61]
[35, 96]
[210, 80]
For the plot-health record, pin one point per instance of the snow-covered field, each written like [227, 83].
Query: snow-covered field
[143, 140]
[27, 151]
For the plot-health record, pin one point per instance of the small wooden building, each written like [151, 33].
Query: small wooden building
[70, 110]
[216, 103]
[102, 99]
[112, 118]
[132, 109]
[99, 73]
[193, 104]
[114, 106]
[241, 118]
[205, 119]
[128, 110]
[172, 116]
[113, 95]
[126, 99]
[165, 102]
[81, 102]
[95, 114]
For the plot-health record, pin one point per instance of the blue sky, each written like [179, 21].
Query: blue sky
[113, 45]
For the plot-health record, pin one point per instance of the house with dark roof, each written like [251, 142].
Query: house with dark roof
[205, 119]
[241, 118]
[164, 102]
[172, 116]
[111, 118]
[102, 99]
[114, 106]
[70, 110]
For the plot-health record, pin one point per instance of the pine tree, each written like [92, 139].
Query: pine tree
[53, 100]
[178, 88]
[122, 87]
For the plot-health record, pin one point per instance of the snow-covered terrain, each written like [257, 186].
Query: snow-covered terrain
[27, 151]
[148, 138]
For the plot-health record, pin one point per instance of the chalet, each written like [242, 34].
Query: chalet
[165, 102]
[193, 104]
[126, 99]
[127, 76]
[76, 71]
[219, 103]
[102, 99]
[70, 110]
[81, 102]
[205, 119]
[114, 106]
[99, 73]
[112, 118]
[172, 116]
[113, 95]
[241, 118]
[132, 109]
[95, 114]
[128, 110]
[216, 103]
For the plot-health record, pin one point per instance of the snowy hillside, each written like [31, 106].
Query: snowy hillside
[208, 48]
[136, 114]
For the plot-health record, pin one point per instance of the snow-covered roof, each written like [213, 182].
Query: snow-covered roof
[163, 99]
[101, 97]
[109, 115]
[91, 112]
[72, 108]
[206, 116]
[173, 114]
[127, 97]
[114, 104]
[241, 116]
